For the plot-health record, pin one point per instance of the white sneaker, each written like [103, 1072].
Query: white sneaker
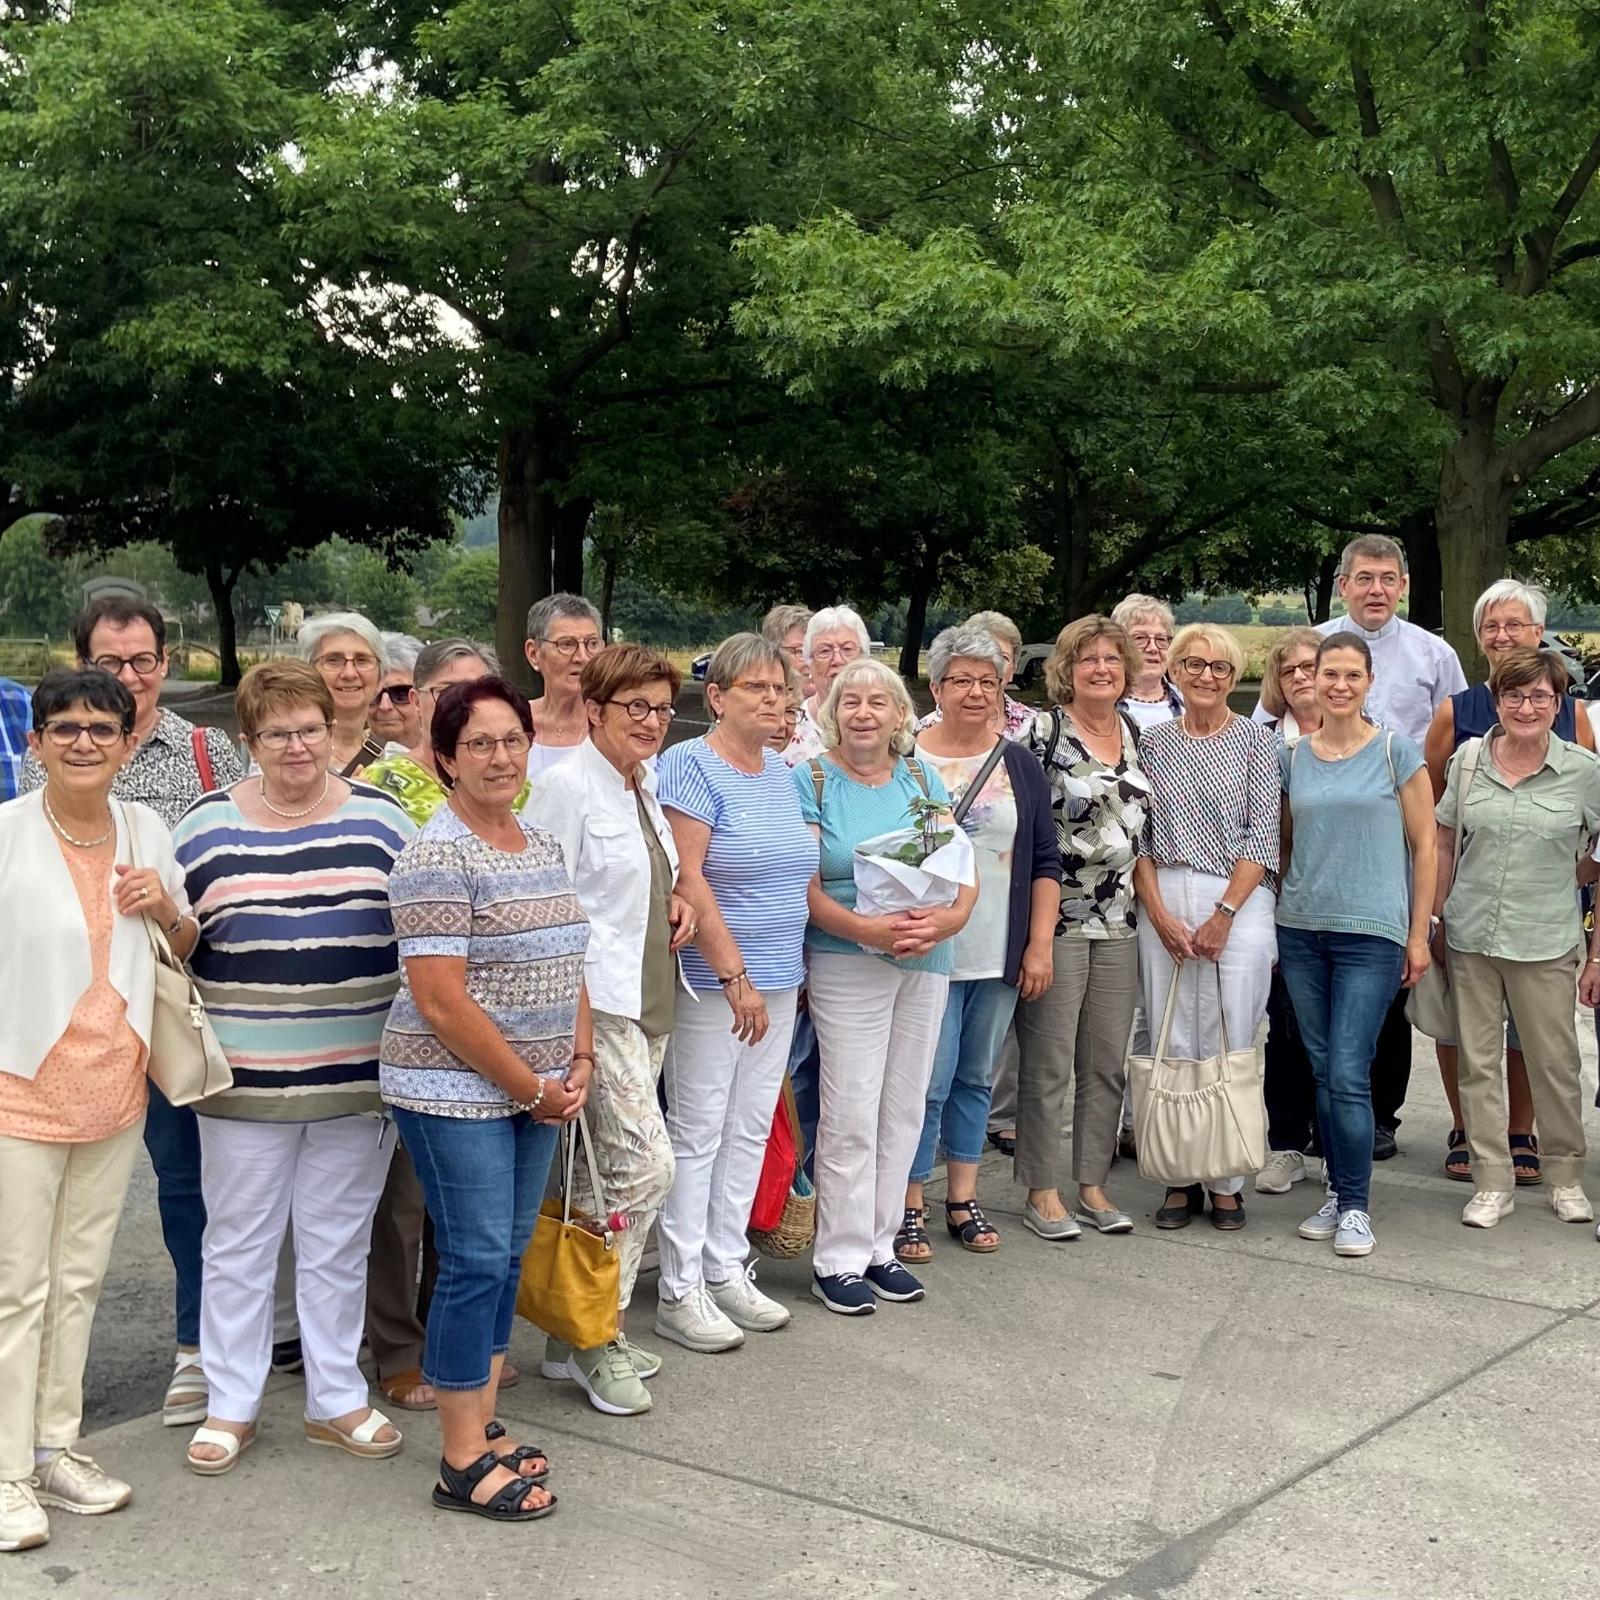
[1323, 1223]
[72, 1482]
[696, 1323]
[1487, 1207]
[1354, 1237]
[1284, 1169]
[23, 1525]
[1571, 1204]
[742, 1303]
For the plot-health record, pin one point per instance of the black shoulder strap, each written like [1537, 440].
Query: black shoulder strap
[964, 805]
[1055, 735]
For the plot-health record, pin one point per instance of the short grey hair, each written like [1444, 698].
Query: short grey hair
[737, 654]
[433, 658]
[880, 675]
[977, 644]
[316, 631]
[556, 606]
[832, 619]
[403, 652]
[1507, 589]
[781, 621]
[1373, 547]
[1005, 631]
[1132, 607]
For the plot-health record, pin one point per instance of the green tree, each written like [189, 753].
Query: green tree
[382, 593]
[466, 593]
[38, 594]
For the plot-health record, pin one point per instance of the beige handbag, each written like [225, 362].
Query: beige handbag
[1197, 1121]
[1430, 1007]
[186, 1063]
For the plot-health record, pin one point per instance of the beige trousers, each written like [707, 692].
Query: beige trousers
[60, 1204]
[1542, 996]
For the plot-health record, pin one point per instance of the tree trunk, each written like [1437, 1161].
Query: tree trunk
[608, 590]
[1420, 535]
[571, 524]
[921, 588]
[526, 519]
[227, 627]
[1319, 589]
[1472, 517]
[1072, 518]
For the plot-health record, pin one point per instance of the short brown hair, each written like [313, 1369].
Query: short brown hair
[1070, 642]
[1303, 637]
[626, 666]
[1523, 669]
[276, 685]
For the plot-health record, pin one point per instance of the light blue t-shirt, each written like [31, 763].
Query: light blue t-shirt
[759, 863]
[1349, 864]
[850, 813]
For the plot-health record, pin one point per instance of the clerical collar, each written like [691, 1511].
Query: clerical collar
[1388, 630]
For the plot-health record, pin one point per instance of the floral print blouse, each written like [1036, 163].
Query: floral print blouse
[1100, 813]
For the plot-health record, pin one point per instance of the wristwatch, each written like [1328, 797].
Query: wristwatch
[1227, 910]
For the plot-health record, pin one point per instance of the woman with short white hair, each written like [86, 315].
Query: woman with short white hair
[835, 636]
[564, 635]
[1012, 718]
[1151, 698]
[352, 658]
[877, 986]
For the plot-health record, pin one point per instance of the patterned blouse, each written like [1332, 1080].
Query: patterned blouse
[1018, 719]
[1100, 812]
[517, 923]
[420, 793]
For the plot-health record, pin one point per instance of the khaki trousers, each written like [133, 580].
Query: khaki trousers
[59, 1204]
[1542, 996]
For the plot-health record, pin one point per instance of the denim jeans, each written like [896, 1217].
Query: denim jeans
[484, 1181]
[172, 1136]
[976, 1016]
[1342, 985]
[805, 1073]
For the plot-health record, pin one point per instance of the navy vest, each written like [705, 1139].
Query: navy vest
[1474, 713]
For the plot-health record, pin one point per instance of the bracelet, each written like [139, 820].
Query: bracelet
[538, 1099]
[1593, 961]
[178, 922]
[583, 1055]
[738, 977]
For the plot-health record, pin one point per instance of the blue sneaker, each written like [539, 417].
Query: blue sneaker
[848, 1293]
[891, 1281]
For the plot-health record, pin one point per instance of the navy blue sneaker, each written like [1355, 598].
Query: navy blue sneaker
[891, 1281]
[848, 1293]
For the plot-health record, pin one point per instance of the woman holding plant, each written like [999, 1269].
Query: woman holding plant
[877, 984]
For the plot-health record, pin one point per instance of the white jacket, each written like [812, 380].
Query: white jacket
[586, 805]
[45, 964]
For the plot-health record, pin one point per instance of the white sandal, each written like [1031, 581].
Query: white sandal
[189, 1394]
[232, 1445]
[361, 1440]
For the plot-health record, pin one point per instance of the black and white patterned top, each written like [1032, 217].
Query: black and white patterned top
[1099, 813]
[1215, 800]
[161, 773]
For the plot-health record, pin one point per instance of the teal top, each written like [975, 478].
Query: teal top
[850, 813]
[1349, 866]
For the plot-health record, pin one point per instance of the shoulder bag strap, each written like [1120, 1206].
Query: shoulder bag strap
[1055, 735]
[159, 948]
[918, 774]
[1469, 771]
[202, 759]
[964, 805]
[816, 779]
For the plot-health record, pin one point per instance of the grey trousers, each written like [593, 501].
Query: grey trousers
[1076, 1030]
[1003, 1096]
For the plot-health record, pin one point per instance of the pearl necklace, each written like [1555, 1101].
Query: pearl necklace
[82, 844]
[1221, 728]
[291, 816]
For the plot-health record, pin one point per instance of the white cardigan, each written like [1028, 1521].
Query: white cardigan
[45, 964]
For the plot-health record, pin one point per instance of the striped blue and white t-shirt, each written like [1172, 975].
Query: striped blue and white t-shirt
[297, 961]
[759, 862]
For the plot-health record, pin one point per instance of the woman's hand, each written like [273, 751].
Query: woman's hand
[684, 928]
[1417, 963]
[1177, 939]
[1038, 970]
[1211, 937]
[139, 893]
[561, 1102]
[750, 1021]
[917, 932]
[1589, 984]
[877, 932]
[1437, 949]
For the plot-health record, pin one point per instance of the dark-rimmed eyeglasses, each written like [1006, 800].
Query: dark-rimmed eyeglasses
[643, 710]
[570, 647]
[64, 734]
[146, 662]
[1198, 666]
[312, 736]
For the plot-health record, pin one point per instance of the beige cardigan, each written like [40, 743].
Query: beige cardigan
[45, 963]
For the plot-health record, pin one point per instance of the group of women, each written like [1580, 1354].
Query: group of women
[434, 924]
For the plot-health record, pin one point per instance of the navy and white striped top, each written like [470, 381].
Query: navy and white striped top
[297, 961]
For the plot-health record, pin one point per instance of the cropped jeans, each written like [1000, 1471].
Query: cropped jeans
[976, 1016]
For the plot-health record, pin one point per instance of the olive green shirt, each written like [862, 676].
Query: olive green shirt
[658, 994]
[1515, 892]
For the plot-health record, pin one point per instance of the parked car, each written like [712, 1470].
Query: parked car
[1030, 664]
[700, 666]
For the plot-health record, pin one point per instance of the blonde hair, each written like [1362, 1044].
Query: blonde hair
[1218, 638]
[1272, 698]
[867, 670]
[1070, 642]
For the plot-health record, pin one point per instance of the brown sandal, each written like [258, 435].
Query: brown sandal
[397, 1386]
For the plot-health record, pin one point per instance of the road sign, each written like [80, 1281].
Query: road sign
[273, 613]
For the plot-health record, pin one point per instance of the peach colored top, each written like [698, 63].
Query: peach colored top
[92, 1083]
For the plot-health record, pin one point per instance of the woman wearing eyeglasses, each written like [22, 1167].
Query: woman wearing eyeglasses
[1527, 802]
[563, 638]
[352, 659]
[1151, 698]
[1204, 878]
[77, 987]
[296, 960]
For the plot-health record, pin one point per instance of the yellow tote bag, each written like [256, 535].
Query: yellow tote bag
[571, 1268]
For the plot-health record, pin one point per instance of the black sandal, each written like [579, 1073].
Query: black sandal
[453, 1492]
[911, 1234]
[514, 1458]
[976, 1227]
[1525, 1158]
[1005, 1143]
[1458, 1159]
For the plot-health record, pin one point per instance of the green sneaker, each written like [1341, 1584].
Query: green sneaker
[645, 1362]
[608, 1377]
[557, 1353]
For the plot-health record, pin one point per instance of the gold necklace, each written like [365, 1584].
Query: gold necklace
[82, 844]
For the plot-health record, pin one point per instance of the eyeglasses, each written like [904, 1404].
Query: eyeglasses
[1150, 641]
[1374, 580]
[590, 646]
[481, 747]
[398, 693]
[66, 734]
[1098, 661]
[962, 684]
[766, 691]
[361, 661]
[1512, 630]
[1198, 666]
[1539, 699]
[1298, 669]
[795, 652]
[643, 710]
[847, 651]
[311, 736]
[144, 663]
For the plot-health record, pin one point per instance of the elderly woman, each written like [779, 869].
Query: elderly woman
[623, 862]
[1347, 940]
[352, 659]
[488, 1048]
[785, 626]
[1005, 948]
[835, 636]
[77, 988]
[745, 858]
[877, 985]
[1203, 878]
[563, 636]
[1009, 717]
[1076, 1031]
[1151, 698]
[296, 959]
[1508, 616]
[393, 716]
[1526, 803]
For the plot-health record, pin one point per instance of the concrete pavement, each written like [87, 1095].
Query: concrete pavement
[1189, 1416]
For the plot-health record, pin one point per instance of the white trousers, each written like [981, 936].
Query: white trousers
[1245, 969]
[253, 1174]
[877, 1030]
[721, 1095]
